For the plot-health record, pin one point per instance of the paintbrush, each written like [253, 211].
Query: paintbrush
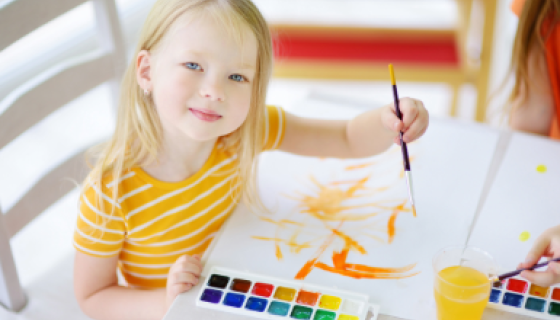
[516, 272]
[406, 160]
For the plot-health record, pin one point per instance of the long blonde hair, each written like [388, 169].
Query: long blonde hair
[138, 133]
[530, 35]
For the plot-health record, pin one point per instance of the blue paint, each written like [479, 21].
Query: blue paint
[495, 296]
[256, 304]
[512, 299]
[234, 300]
[278, 308]
[535, 304]
[211, 295]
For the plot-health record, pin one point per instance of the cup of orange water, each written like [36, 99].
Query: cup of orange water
[462, 282]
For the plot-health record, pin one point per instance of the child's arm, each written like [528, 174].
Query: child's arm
[368, 134]
[100, 297]
[533, 111]
[547, 245]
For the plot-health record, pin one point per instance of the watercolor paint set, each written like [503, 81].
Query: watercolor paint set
[517, 295]
[267, 297]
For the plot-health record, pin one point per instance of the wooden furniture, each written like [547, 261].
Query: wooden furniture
[458, 53]
[41, 96]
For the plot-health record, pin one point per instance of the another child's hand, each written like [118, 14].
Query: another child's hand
[547, 245]
[415, 119]
[183, 275]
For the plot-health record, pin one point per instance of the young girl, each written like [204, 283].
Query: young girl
[536, 63]
[192, 121]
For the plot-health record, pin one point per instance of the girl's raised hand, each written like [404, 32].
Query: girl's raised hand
[547, 245]
[415, 119]
[183, 275]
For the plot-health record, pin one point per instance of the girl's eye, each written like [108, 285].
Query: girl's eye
[237, 77]
[193, 66]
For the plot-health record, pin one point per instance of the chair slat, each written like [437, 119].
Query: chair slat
[19, 17]
[53, 186]
[39, 100]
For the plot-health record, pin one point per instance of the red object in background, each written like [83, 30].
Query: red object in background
[517, 285]
[435, 50]
[263, 289]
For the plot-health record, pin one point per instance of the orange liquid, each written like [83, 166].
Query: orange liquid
[463, 296]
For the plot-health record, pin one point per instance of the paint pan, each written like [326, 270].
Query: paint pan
[267, 297]
[519, 296]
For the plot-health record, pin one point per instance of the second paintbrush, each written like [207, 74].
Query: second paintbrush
[406, 160]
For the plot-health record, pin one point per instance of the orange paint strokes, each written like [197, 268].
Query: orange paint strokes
[364, 275]
[391, 223]
[359, 166]
[304, 272]
[350, 242]
[291, 243]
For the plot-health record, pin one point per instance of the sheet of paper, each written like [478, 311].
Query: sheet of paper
[348, 223]
[523, 201]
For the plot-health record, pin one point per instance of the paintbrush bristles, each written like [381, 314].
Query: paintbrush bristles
[392, 72]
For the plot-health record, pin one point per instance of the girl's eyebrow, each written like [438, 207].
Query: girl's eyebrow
[243, 65]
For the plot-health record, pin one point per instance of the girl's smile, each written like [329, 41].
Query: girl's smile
[205, 114]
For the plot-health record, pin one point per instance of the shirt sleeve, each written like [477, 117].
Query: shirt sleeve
[100, 231]
[275, 126]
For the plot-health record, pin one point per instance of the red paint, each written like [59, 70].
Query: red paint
[437, 51]
[556, 294]
[263, 289]
[517, 285]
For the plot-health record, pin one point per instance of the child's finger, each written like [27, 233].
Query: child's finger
[390, 120]
[416, 129]
[409, 111]
[193, 268]
[537, 251]
[185, 277]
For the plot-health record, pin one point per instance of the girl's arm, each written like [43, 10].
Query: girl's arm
[533, 111]
[368, 134]
[99, 296]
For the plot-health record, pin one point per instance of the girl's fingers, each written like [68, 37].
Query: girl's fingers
[543, 279]
[185, 277]
[418, 127]
[409, 110]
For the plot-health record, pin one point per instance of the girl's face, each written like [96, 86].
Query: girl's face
[200, 79]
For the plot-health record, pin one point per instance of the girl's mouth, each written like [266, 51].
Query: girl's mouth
[205, 114]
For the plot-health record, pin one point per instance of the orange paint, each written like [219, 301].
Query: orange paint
[307, 298]
[327, 220]
[359, 166]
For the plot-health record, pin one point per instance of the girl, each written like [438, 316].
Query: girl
[536, 63]
[192, 121]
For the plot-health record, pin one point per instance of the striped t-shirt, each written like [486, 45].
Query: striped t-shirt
[155, 222]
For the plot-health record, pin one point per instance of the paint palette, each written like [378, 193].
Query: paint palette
[272, 298]
[517, 295]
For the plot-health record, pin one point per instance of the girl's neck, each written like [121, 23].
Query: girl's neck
[179, 161]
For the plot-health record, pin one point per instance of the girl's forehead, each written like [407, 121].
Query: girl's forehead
[200, 32]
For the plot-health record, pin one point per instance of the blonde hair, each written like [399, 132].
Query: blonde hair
[138, 133]
[529, 34]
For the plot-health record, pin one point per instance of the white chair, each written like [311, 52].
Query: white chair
[50, 297]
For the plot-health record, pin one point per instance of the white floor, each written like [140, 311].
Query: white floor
[90, 118]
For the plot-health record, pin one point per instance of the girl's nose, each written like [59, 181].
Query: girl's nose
[213, 90]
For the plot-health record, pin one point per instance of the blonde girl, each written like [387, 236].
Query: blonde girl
[192, 120]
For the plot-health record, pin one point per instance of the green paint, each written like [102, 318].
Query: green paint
[300, 312]
[279, 308]
[554, 309]
[324, 315]
[535, 304]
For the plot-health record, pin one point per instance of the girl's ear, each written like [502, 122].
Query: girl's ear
[143, 70]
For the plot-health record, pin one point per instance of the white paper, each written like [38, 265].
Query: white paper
[521, 199]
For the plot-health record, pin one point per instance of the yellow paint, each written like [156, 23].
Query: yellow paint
[541, 168]
[330, 302]
[461, 293]
[286, 294]
[538, 291]
[524, 236]
[347, 317]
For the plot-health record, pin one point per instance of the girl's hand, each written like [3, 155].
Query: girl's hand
[547, 245]
[414, 123]
[183, 275]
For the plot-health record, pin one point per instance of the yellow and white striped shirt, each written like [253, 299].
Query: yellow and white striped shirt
[155, 222]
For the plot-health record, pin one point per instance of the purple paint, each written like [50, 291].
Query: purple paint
[211, 295]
